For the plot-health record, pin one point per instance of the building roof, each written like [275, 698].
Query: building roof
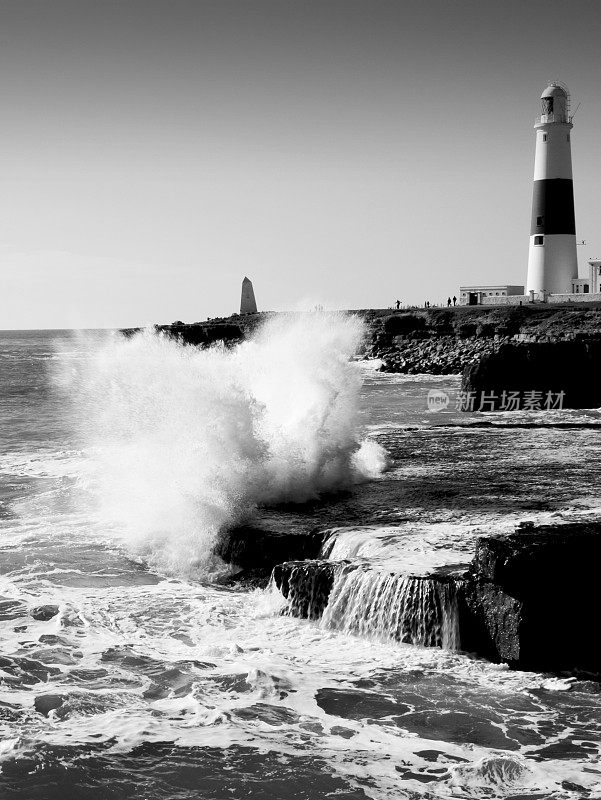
[479, 287]
[554, 90]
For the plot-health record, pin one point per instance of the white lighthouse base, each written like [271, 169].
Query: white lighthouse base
[552, 266]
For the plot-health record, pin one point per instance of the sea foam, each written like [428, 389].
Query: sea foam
[188, 442]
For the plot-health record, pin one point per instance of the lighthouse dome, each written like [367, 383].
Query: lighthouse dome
[555, 90]
[555, 103]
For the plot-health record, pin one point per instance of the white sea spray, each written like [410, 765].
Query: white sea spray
[189, 442]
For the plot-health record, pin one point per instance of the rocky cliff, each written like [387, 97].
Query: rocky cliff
[228, 330]
[561, 372]
[523, 349]
[436, 340]
[447, 341]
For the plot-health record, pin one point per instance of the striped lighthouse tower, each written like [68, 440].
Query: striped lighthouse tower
[552, 260]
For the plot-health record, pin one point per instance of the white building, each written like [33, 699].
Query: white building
[594, 276]
[478, 295]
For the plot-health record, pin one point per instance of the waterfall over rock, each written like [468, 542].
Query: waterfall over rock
[368, 602]
[500, 607]
[404, 608]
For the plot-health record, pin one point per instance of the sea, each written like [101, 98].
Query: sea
[131, 666]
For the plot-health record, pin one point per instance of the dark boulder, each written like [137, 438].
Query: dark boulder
[553, 369]
[490, 621]
[45, 703]
[44, 613]
[259, 550]
[531, 598]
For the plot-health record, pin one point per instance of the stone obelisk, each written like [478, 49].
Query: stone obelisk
[248, 304]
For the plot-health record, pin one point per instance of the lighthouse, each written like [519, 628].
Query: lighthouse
[552, 260]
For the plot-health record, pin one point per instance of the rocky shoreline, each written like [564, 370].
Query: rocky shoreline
[509, 357]
[528, 599]
[447, 341]
[444, 355]
[438, 341]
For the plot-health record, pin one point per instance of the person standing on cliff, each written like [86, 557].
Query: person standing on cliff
[449, 301]
[454, 300]
[398, 304]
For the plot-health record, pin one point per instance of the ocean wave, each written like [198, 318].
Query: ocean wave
[189, 442]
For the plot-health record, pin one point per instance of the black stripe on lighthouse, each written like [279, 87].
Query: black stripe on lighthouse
[553, 207]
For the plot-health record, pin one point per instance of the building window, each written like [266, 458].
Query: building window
[585, 288]
[539, 239]
[539, 222]
[544, 137]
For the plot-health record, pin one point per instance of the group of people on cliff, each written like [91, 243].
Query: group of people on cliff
[450, 301]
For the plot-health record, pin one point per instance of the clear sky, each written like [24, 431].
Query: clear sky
[343, 152]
